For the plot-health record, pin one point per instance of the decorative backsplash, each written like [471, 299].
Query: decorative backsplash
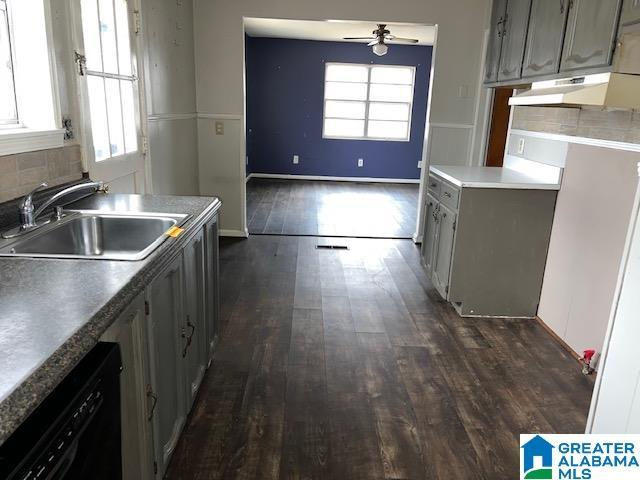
[615, 125]
[22, 172]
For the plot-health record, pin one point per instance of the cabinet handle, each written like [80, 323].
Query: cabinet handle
[188, 337]
[154, 398]
[447, 194]
[434, 185]
[500, 30]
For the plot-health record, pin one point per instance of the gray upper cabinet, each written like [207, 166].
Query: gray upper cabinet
[590, 35]
[444, 250]
[492, 64]
[513, 39]
[544, 38]
[630, 12]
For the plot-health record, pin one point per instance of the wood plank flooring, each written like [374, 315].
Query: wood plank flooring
[345, 364]
[302, 207]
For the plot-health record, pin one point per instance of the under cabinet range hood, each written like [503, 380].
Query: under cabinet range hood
[616, 90]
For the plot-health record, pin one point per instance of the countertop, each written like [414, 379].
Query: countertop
[492, 177]
[54, 311]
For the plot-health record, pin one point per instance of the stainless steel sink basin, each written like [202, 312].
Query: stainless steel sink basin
[86, 234]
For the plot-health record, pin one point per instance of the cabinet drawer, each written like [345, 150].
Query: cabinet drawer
[434, 186]
[449, 196]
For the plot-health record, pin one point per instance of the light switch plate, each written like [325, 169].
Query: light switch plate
[361, 162]
[219, 128]
[296, 159]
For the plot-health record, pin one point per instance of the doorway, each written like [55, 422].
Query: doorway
[334, 132]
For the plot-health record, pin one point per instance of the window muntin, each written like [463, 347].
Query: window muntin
[110, 77]
[8, 109]
[368, 102]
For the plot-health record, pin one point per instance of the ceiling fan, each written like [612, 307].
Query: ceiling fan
[380, 38]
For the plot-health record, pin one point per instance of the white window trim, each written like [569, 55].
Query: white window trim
[20, 138]
[367, 102]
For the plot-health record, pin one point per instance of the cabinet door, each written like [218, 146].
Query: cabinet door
[429, 235]
[492, 62]
[164, 326]
[212, 284]
[193, 334]
[514, 38]
[544, 39]
[590, 35]
[630, 12]
[444, 250]
[128, 331]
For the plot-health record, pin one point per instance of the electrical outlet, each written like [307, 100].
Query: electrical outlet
[219, 128]
[521, 146]
[361, 162]
[296, 159]
[420, 164]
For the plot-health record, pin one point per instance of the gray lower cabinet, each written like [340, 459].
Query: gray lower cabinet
[165, 325]
[129, 332]
[446, 221]
[544, 37]
[630, 12]
[212, 287]
[485, 249]
[430, 232]
[514, 39]
[590, 34]
[194, 348]
[166, 337]
[492, 62]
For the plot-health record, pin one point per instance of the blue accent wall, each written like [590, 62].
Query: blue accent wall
[285, 95]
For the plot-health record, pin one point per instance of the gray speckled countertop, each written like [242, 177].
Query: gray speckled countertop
[52, 312]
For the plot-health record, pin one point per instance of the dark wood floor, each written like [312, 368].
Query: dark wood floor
[301, 207]
[347, 365]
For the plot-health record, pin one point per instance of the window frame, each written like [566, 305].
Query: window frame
[367, 102]
[10, 123]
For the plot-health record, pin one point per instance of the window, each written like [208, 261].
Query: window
[110, 77]
[368, 101]
[29, 106]
[8, 111]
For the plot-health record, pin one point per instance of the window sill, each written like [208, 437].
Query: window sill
[21, 140]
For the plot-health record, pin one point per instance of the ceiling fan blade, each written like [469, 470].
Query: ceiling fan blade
[356, 38]
[371, 44]
[405, 40]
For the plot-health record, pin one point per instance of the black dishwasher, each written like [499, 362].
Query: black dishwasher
[75, 432]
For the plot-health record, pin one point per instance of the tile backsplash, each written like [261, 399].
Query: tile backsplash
[590, 122]
[22, 172]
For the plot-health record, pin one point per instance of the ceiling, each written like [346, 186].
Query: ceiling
[332, 31]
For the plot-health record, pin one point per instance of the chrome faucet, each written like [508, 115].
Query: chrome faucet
[29, 215]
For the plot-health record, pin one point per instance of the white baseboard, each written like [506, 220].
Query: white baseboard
[332, 179]
[234, 233]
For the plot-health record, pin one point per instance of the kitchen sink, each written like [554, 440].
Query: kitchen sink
[96, 235]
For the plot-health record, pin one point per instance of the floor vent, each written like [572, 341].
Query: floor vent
[332, 247]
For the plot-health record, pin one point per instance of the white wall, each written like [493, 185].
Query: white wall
[615, 406]
[170, 96]
[587, 242]
[219, 53]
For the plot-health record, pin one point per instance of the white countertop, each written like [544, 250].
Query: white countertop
[495, 177]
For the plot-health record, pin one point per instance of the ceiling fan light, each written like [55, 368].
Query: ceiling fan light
[380, 49]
